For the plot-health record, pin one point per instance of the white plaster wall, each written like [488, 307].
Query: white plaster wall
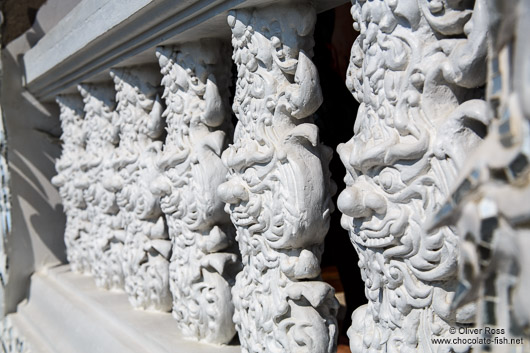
[37, 219]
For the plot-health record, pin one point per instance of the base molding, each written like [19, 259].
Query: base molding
[66, 312]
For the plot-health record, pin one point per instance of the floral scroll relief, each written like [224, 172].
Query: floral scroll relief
[278, 191]
[204, 261]
[76, 234]
[489, 203]
[11, 339]
[418, 70]
[101, 140]
[147, 249]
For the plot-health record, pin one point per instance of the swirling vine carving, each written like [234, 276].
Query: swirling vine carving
[146, 249]
[69, 171]
[278, 191]
[204, 257]
[488, 203]
[418, 70]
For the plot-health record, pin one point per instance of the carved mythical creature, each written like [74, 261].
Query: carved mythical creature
[110, 237]
[101, 140]
[489, 204]
[278, 189]
[204, 261]
[147, 249]
[418, 70]
[67, 180]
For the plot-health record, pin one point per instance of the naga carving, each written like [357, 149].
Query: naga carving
[69, 182]
[278, 191]
[489, 203]
[418, 69]
[147, 249]
[203, 262]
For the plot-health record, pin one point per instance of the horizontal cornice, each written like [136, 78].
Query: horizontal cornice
[99, 34]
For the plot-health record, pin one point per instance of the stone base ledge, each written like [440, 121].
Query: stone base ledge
[67, 313]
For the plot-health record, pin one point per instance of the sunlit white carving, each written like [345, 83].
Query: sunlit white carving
[5, 204]
[418, 69]
[147, 249]
[101, 138]
[204, 261]
[278, 189]
[11, 339]
[69, 170]
[489, 203]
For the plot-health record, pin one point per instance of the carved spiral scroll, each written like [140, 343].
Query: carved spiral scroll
[489, 201]
[203, 262]
[68, 179]
[278, 191]
[418, 70]
[146, 248]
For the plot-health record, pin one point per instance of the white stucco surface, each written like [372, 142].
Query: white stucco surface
[67, 313]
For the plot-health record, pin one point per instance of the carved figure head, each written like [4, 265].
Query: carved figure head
[417, 119]
[138, 113]
[277, 91]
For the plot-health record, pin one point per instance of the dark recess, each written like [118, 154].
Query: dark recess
[334, 36]
[19, 16]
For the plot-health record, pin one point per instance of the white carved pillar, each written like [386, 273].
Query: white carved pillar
[418, 70]
[67, 180]
[101, 139]
[278, 189]
[5, 207]
[104, 226]
[12, 341]
[147, 247]
[204, 261]
[489, 201]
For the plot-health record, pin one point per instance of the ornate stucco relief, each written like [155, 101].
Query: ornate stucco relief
[67, 180]
[418, 68]
[204, 261]
[146, 249]
[278, 191]
[489, 202]
[108, 223]
[101, 139]
[11, 340]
